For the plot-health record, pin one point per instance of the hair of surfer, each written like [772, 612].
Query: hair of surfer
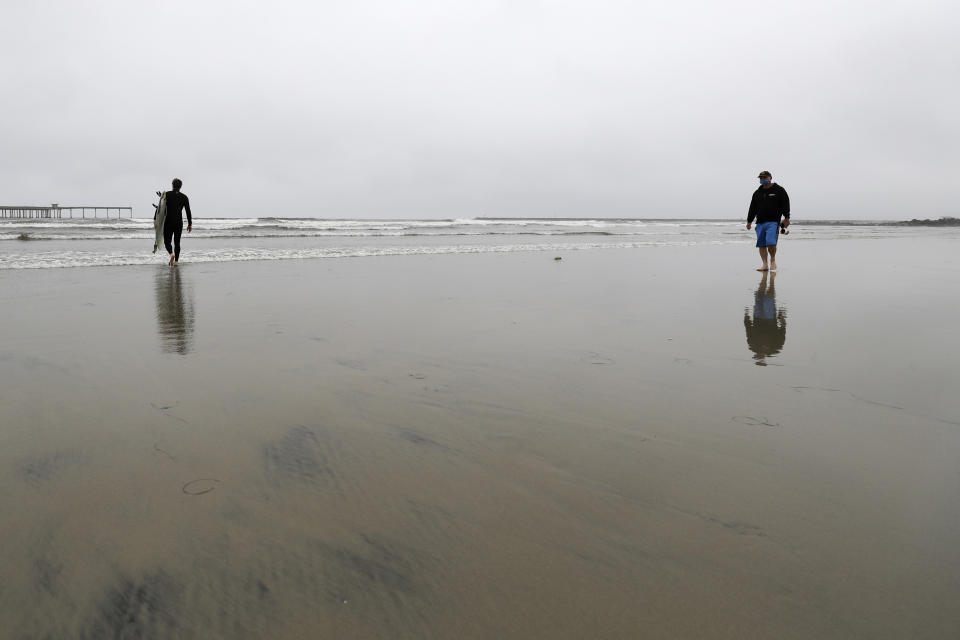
[177, 183]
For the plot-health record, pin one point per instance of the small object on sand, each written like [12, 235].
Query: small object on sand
[166, 453]
[205, 486]
[558, 258]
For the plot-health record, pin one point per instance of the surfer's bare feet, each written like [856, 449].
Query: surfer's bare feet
[171, 260]
[773, 266]
[764, 268]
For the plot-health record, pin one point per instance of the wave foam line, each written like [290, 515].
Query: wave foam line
[64, 259]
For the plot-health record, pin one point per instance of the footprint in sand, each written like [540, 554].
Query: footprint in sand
[755, 422]
[200, 486]
[165, 410]
[596, 358]
[164, 452]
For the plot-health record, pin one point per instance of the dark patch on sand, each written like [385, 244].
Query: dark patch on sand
[300, 455]
[47, 575]
[33, 363]
[383, 578]
[431, 516]
[351, 364]
[755, 422]
[165, 410]
[45, 468]
[372, 565]
[135, 610]
[444, 388]
[419, 440]
[596, 358]
[740, 528]
[594, 557]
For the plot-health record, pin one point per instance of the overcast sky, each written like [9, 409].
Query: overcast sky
[456, 109]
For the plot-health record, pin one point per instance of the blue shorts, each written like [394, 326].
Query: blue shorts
[767, 234]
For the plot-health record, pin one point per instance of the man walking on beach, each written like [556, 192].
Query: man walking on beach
[173, 225]
[769, 203]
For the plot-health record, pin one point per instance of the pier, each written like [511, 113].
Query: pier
[74, 211]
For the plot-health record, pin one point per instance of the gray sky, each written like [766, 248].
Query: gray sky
[449, 109]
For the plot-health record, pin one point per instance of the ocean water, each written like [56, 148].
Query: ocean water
[33, 244]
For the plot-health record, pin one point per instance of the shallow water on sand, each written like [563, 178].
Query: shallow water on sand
[484, 446]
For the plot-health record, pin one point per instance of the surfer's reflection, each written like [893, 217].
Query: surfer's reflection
[767, 331]
[174, 310]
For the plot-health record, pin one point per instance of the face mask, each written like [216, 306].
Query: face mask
[764, 182]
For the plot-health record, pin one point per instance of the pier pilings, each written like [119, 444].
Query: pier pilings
[73, 211]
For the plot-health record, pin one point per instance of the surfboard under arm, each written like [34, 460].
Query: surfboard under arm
[159, 217]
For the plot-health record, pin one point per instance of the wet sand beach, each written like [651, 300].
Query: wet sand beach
[485, 446]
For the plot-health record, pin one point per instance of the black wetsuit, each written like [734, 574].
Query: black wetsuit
[173, 224]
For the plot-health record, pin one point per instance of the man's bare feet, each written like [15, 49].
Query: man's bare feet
[773, 266]
[764, 268]
[171, 260]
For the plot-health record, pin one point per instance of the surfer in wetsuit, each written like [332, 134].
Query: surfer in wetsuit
[173, 225]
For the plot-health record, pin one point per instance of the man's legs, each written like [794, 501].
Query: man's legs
[167, 238]
[767, 233]
[176, 243]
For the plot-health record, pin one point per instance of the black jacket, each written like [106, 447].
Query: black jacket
[176, 203]
[767, 205]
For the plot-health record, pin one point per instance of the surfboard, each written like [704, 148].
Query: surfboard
[159, 217]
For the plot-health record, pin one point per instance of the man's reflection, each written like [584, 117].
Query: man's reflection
[767, 331]
[174, 310]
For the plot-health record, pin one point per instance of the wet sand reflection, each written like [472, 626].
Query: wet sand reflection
[767, 330]
[175, 310]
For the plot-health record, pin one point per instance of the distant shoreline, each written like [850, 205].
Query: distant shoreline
[940, 222]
